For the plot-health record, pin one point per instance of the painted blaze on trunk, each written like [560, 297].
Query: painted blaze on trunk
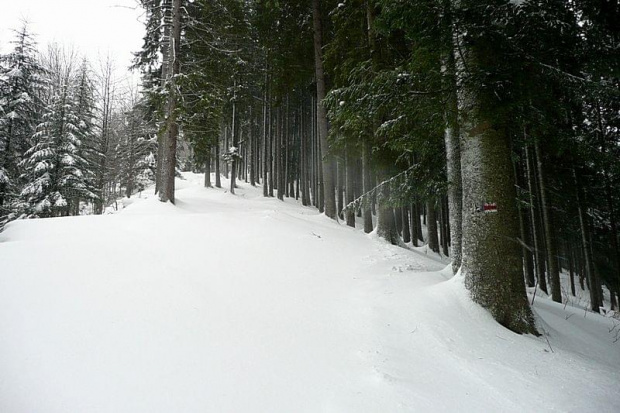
[492, 263]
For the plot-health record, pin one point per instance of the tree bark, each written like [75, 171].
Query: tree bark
[540, 264]
[431, 226]
[414, 226]
[328, 178]
[340, 179]
[492, 265]
[528, 261]
[453, 159]
[406, 224]
[350, 185]
[585, 243]
[386, 226]
[172, 128]
[571, 267]
[552, 261]
[208, 170]
[367, 186]
[233, 136]
[218, 179]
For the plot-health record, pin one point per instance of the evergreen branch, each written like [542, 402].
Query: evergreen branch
[356, 203]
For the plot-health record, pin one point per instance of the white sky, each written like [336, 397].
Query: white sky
[94, 27]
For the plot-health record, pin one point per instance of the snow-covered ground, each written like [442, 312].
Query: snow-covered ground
[236, 303]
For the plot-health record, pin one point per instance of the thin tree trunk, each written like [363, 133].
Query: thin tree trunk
[208, 170]
[571, 267]
[528, 262]
[540, 265]
[328, 178]
[444, 227]
[233, 136]
[585, 242]
[414, 227]
[554, 273]
[350, 168]
[272, 144]
[218, 180]
[367, 186]
[340, 178]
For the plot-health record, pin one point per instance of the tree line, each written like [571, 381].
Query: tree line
[487, 130]
[72, 138]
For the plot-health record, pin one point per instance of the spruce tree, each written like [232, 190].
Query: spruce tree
[22, 79]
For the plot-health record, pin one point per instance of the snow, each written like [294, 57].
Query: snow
[4, 177]
[227, 303]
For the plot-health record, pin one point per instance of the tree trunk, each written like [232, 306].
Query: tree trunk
[585, 242]
[328, 177]
[386, 227]
[171, 133]
[350, 168]
[571, 267]
[492, 265]
[540, 264]
[453, 162]
[218, 179]
[528, 261]
[367, 186]
[444, 227]
[340, 178]
[414, 226]
[552, 261]
[233, 136]
[431, 226]
[406, 224]
[208, 170]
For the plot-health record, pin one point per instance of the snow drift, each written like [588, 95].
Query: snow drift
[235, 304]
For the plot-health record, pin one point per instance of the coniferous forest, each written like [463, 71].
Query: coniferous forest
[362, 206]
[495, 124]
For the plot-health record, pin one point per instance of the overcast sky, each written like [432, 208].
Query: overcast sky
[94, 27]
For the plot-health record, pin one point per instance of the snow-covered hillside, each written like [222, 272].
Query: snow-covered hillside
[236, 303]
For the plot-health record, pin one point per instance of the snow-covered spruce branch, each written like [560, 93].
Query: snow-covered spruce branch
[358, 202]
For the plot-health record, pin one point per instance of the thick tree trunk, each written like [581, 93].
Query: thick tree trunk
[386, 226]
[453, 163]
[322, 128]
[406, 224]
[431, 226]
[172, 128]
[492, 264]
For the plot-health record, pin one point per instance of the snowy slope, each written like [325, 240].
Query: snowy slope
[228, 303]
